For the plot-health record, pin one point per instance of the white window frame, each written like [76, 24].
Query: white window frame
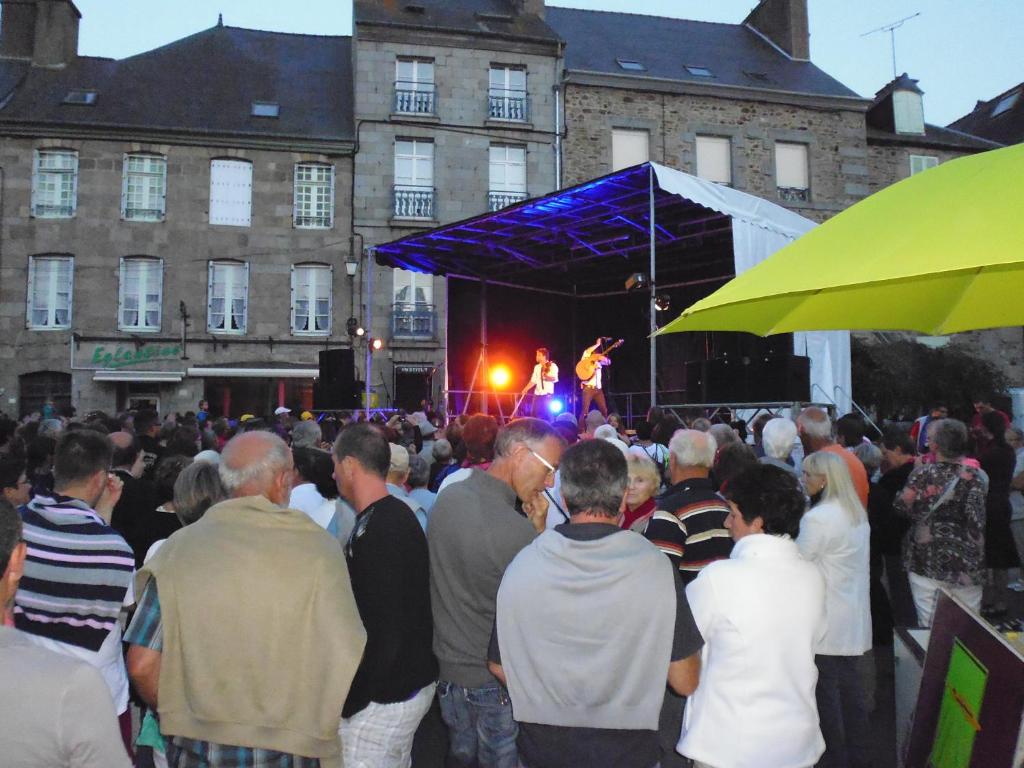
[228, 194]
[419, 153]
[313, 206]
[414, 281]
[239, 274]
[149, 183]
[150, 279]
[625, 146]
[908, 112]
[920, 163]
[708, 159]
[319, 288]
[55, 184]
[52, 292]
[788, 180]
[503, 89]
[421, 82]
[506, 158]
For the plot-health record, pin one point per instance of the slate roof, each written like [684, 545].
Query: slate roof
[477, 17]
[735, 54]
[934, 136]
[203, 83]
[1006, 128]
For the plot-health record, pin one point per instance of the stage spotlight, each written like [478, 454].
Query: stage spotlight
[662, 302]
[636, 281]
[376, 344]
[360, 331]
[352, 326]
[555, 406]
[500, 377]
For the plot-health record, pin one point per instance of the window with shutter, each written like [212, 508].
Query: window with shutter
[629, 148]
[792, 175]
[144, 188]
[714, 159]
[55, 184]
[50, 283]
[140, 295]
[228, 296]
[311, 299]
[231, 192]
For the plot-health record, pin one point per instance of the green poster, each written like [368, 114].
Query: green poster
[960, 715]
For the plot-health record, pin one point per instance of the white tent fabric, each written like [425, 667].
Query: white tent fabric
[759, 229]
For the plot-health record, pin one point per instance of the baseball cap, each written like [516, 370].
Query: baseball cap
[245, 417]
[306, 416]
[282, 409]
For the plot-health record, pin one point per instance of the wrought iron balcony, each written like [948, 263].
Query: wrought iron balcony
[498, 200]
[413, 98]
[413, 320]
[794, 194]
[413, 202]
[143, 214]
[48, 211]
[508, 105]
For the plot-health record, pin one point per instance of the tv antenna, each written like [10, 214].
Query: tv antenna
[891, 29]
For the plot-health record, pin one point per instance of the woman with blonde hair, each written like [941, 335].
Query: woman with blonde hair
[644, 481]
[834, 535]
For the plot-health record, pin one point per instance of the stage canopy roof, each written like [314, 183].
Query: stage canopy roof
[587, 239]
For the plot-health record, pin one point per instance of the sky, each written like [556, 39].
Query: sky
[960, 50]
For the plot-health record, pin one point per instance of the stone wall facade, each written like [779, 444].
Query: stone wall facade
[97, 238]
[461, 133]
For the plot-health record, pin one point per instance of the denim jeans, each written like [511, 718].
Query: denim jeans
[480, 726]
[842, 710]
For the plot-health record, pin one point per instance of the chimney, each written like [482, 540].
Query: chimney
[529, 7]
[784, 22]
[43, 31]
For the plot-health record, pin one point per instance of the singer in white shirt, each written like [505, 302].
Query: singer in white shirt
[543, 380]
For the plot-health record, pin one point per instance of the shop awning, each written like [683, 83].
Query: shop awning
[143, 377]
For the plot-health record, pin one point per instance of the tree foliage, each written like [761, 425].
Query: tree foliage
[904, 378]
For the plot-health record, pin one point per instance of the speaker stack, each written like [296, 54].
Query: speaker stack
[336, 388]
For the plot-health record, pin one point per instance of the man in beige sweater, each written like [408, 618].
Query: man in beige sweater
[247, 635]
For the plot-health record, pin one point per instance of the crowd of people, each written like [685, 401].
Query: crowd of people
[295, 591]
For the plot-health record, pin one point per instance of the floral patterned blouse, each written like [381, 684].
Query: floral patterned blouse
[945, 503]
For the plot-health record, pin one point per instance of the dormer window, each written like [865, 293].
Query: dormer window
[81, 97]
[630, 65]
[265, 109]
[698, 71]
[1006, 103]
[908, 112]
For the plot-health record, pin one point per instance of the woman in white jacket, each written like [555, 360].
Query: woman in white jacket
[834, 535]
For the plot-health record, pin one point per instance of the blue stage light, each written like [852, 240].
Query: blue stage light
[556, 406]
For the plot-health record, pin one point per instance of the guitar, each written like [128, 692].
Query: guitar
[586, 367]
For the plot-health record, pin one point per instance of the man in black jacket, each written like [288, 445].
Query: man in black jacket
[390, 572]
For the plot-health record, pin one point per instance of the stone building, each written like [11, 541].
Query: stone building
[456, 114]
[175, 225]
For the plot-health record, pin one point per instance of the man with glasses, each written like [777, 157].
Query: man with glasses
[476, 528]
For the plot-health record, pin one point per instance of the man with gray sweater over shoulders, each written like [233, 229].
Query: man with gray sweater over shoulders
[591, 622]
[476, 528]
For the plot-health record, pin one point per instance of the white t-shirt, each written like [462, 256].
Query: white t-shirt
[540, 386]
[306, 498]
[595, 380]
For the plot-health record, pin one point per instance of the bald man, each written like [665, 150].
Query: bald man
[138, 499]
[247, 635]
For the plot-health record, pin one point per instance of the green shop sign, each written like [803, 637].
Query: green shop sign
[125, 356]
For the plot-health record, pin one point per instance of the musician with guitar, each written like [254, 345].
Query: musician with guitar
[588, 369]
[545, 376]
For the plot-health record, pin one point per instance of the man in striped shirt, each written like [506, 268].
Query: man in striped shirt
[78, 570]
[689, 523]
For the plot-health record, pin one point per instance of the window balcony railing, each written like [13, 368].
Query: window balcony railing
[413, 98]
[143, 214]
[312, 222]
[47, 210]
[508, 105]
[413, 202]
[794, 194]
[498, 200]
[413, 320]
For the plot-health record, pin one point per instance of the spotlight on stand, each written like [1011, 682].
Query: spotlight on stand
[352, 327]
[556, 406]
[636, 281]
[376, 344]
[360, 331]
[662, 302]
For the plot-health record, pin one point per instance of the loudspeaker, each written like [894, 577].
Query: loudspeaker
[336, 387]
[749, 380]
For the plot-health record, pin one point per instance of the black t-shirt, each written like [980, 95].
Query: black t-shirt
[390, 572]
[556, 746]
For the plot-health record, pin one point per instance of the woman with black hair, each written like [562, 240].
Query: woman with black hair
[997, 460]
